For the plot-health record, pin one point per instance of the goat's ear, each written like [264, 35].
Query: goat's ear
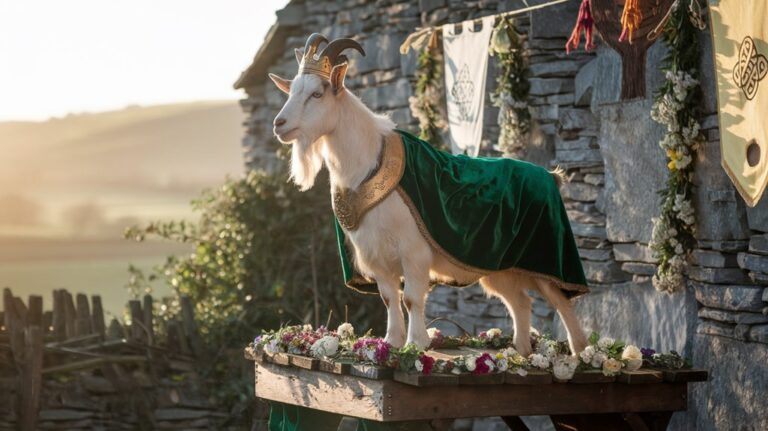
[283, 84]
[299, 54]
[337, 77]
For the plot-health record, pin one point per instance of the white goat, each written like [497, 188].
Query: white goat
[328, 125]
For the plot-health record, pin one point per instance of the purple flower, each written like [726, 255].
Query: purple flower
[647, 352]
[257, 340]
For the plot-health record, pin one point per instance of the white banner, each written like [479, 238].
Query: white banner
[466, 64]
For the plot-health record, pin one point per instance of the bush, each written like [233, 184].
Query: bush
[264, 255]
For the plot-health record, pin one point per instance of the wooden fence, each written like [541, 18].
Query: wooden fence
[72, 338]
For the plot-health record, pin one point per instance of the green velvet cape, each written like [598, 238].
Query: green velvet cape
[487, 213]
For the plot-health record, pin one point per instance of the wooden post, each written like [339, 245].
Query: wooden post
[31, 378]
[148, 309]
[35, 311]
[83, 322]
[59, 316]
[47, 322]
[8, 307]
[190, 327]
[97, 316]
[70, 315]
[137, 332]
[115, 331]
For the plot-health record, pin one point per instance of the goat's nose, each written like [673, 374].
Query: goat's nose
[279, 122]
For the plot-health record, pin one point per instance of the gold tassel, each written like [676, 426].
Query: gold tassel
[631, 18]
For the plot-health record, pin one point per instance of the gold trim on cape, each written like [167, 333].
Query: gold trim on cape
[351, 205]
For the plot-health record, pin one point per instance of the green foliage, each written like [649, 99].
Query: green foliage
[427, 103]
[263, 255]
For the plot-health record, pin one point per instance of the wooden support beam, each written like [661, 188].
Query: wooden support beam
[83, 322]
[97, 316]
[148, 318]
[31, 378]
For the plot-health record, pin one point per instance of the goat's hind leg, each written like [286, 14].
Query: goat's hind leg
[389, 289]
[576, 338]
[509, 288]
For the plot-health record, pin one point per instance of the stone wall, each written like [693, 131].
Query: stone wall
[610, 149]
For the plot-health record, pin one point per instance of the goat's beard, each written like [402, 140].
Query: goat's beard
[306, 162]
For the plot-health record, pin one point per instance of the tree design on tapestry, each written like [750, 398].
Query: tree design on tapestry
[462, 92]
[751, 68]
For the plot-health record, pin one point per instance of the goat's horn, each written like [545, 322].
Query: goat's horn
[335, 47]
[313, 41]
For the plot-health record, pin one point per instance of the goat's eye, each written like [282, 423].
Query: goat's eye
[317, 94]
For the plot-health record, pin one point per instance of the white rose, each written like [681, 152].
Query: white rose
[587, 354]
[419, 366]
[345, 330]
[598, 359]
[611, 367]
[633, 357]
[469, 363]
[493, 333]
[433, 333]
[326, 346]
[562, 370]
[539, 361]
[605, 342]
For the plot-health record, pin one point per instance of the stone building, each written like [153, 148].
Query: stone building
[610, 149]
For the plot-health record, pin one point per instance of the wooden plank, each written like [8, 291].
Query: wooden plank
[372, 372]
[532, 378]
[335, 367]
[387, 400]
[691, 375]
[304, 362]
[94, 363]
[279, 358]
[253, 355]
[419, 379]
[148, 308]
[190, 326]
[482, 379]
[640, 377]
[97, 316]
[59, 316]
[591, 376]
[35, 310]
[83, 322]
[136, 331]
[70, 316]
[31, 378]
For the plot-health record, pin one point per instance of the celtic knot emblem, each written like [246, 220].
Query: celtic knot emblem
[462, 92]
[751, 68]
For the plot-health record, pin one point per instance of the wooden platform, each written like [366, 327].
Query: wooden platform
[646, 399]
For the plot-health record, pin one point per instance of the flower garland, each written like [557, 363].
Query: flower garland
[428, 104]
[676, 107]
[603, 354]
[512, 87]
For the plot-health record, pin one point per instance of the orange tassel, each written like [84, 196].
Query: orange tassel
[631, 18]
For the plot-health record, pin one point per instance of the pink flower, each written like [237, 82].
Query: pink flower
[427, 362]
[483, 364]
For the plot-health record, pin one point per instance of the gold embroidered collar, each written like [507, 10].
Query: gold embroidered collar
[351, 205]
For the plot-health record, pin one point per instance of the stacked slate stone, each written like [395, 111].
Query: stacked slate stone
[610, 150]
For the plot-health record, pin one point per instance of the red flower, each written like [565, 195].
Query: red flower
[427, 362]
[481, 365]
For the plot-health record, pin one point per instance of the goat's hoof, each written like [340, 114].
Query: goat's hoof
[395, 341]
[422, 342]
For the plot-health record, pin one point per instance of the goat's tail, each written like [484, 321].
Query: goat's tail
[559, 175]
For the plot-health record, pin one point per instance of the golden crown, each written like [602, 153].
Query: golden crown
[321, 64]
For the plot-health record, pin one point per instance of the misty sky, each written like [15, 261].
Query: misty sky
[67, 56]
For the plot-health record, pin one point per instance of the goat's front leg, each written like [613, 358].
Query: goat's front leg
[389, 289]
[416, 272]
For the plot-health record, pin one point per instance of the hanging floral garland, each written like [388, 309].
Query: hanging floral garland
[676, 107]
[428, 104]
[512, 87]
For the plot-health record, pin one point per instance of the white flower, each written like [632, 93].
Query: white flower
[587, 354]
[455, 370]
[605, 343]
[370, 354]
[419, 365]
[500, 42]
[326, 346]
[539, 361]
[502, 364]
[598, 359]
[433, 333]
[522, 372]
[346, 330]
[633, 356]
[493, 333]
[490, 364]
[564, 366]
[509, 352]
[611, 367]
[306, 328]
[470, 363]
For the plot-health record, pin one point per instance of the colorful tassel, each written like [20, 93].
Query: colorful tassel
[584, 22]
[631, 18]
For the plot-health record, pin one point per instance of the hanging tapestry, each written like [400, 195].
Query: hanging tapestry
[740, 39]
[466, 64]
